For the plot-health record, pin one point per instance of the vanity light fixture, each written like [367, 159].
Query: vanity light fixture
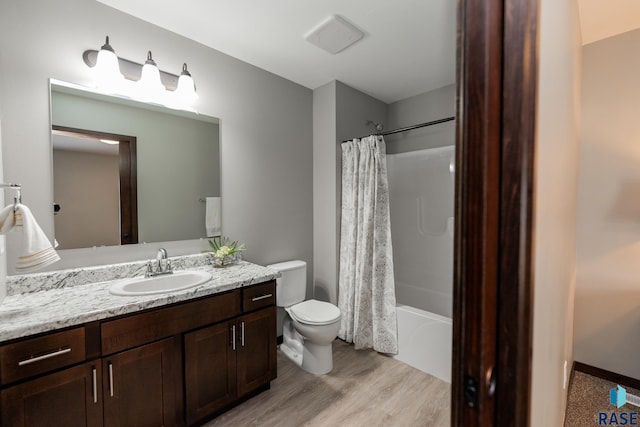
[149, 87]
[186, 90]
[107, 70]
[144, 82]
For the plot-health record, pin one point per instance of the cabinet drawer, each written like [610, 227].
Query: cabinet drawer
[258, 296]
[143, 328]
[38, 355]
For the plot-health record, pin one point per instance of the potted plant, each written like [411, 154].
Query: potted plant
[224, 251]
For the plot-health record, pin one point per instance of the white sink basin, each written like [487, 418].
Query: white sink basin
[176, 281]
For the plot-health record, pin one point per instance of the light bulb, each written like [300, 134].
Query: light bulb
[149, 87]
[185, 94]
[107, 70]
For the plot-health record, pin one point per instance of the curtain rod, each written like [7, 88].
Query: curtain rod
[408, 128]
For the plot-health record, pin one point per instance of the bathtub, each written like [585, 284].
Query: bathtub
[424, 341]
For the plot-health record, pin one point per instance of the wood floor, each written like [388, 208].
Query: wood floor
[364, 389]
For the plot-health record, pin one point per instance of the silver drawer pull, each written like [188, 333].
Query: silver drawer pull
[95, 385]
[45, 356]
[110, 379]
[261, 297]
[233, 337]
[242, 333]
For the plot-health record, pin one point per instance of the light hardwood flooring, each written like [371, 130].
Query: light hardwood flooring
[364, 389]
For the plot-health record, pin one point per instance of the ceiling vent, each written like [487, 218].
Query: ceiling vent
[334, 34]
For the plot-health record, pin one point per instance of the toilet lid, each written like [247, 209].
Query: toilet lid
[314, 312]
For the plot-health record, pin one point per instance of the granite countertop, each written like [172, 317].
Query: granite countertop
[62, 302]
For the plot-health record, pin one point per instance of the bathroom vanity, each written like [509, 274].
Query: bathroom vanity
[159, 360]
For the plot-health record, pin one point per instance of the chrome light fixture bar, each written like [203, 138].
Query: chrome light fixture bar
[146, 82]
[132, 70]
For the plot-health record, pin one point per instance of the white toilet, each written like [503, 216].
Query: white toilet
[310, 326]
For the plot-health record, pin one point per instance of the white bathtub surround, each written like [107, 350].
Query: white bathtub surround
[422, 200]
[73, 297]
[421, 191]
[366, 294]
[424, 341]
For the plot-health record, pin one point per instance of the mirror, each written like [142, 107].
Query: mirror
[150, 184]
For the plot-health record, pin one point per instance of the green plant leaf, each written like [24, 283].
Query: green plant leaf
[225, 241]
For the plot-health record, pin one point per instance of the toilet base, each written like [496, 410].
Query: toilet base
[317, 359]
[291, 354]
[311, 357]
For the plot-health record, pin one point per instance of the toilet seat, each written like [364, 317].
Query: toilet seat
[314, 312]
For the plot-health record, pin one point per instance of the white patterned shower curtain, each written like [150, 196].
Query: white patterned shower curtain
[366, 290]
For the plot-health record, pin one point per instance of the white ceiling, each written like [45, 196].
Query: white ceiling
[408, 47]
[600, 19]
[82, 144]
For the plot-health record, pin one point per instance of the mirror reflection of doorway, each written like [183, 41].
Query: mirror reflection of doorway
[95, 190]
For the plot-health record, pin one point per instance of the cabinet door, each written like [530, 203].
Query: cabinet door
[210, 370]
[141, 386]
[256, 355]
[67, 398]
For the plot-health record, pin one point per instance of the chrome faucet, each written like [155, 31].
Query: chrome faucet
[160, 268]
[161, 255]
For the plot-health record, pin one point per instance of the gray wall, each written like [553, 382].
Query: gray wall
[265, 129]
[353, 110]
[608, 221]
[433, 105]
[341, 112]
[325, 224]
[3, 252]
[554, 261]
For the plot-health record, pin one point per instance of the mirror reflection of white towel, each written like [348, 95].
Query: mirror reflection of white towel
[212, 217]
[37, 251]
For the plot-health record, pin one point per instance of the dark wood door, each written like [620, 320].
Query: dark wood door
[141, 386]
[495, 150]
[210, 370]
[256, 356]
[68, 398]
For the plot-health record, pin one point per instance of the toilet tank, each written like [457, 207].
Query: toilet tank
[291, 286]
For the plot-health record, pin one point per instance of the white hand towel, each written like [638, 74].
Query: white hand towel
[7, 219]
[212, 217]
[37, 251]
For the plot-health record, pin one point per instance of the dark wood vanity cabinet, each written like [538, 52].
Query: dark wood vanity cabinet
[256, 355]
[170, 366]
[246, 345]
[140, 386]
[137, 387]
[210, 370]
[69, 398]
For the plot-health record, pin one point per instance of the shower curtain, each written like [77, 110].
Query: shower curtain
[366, 289]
